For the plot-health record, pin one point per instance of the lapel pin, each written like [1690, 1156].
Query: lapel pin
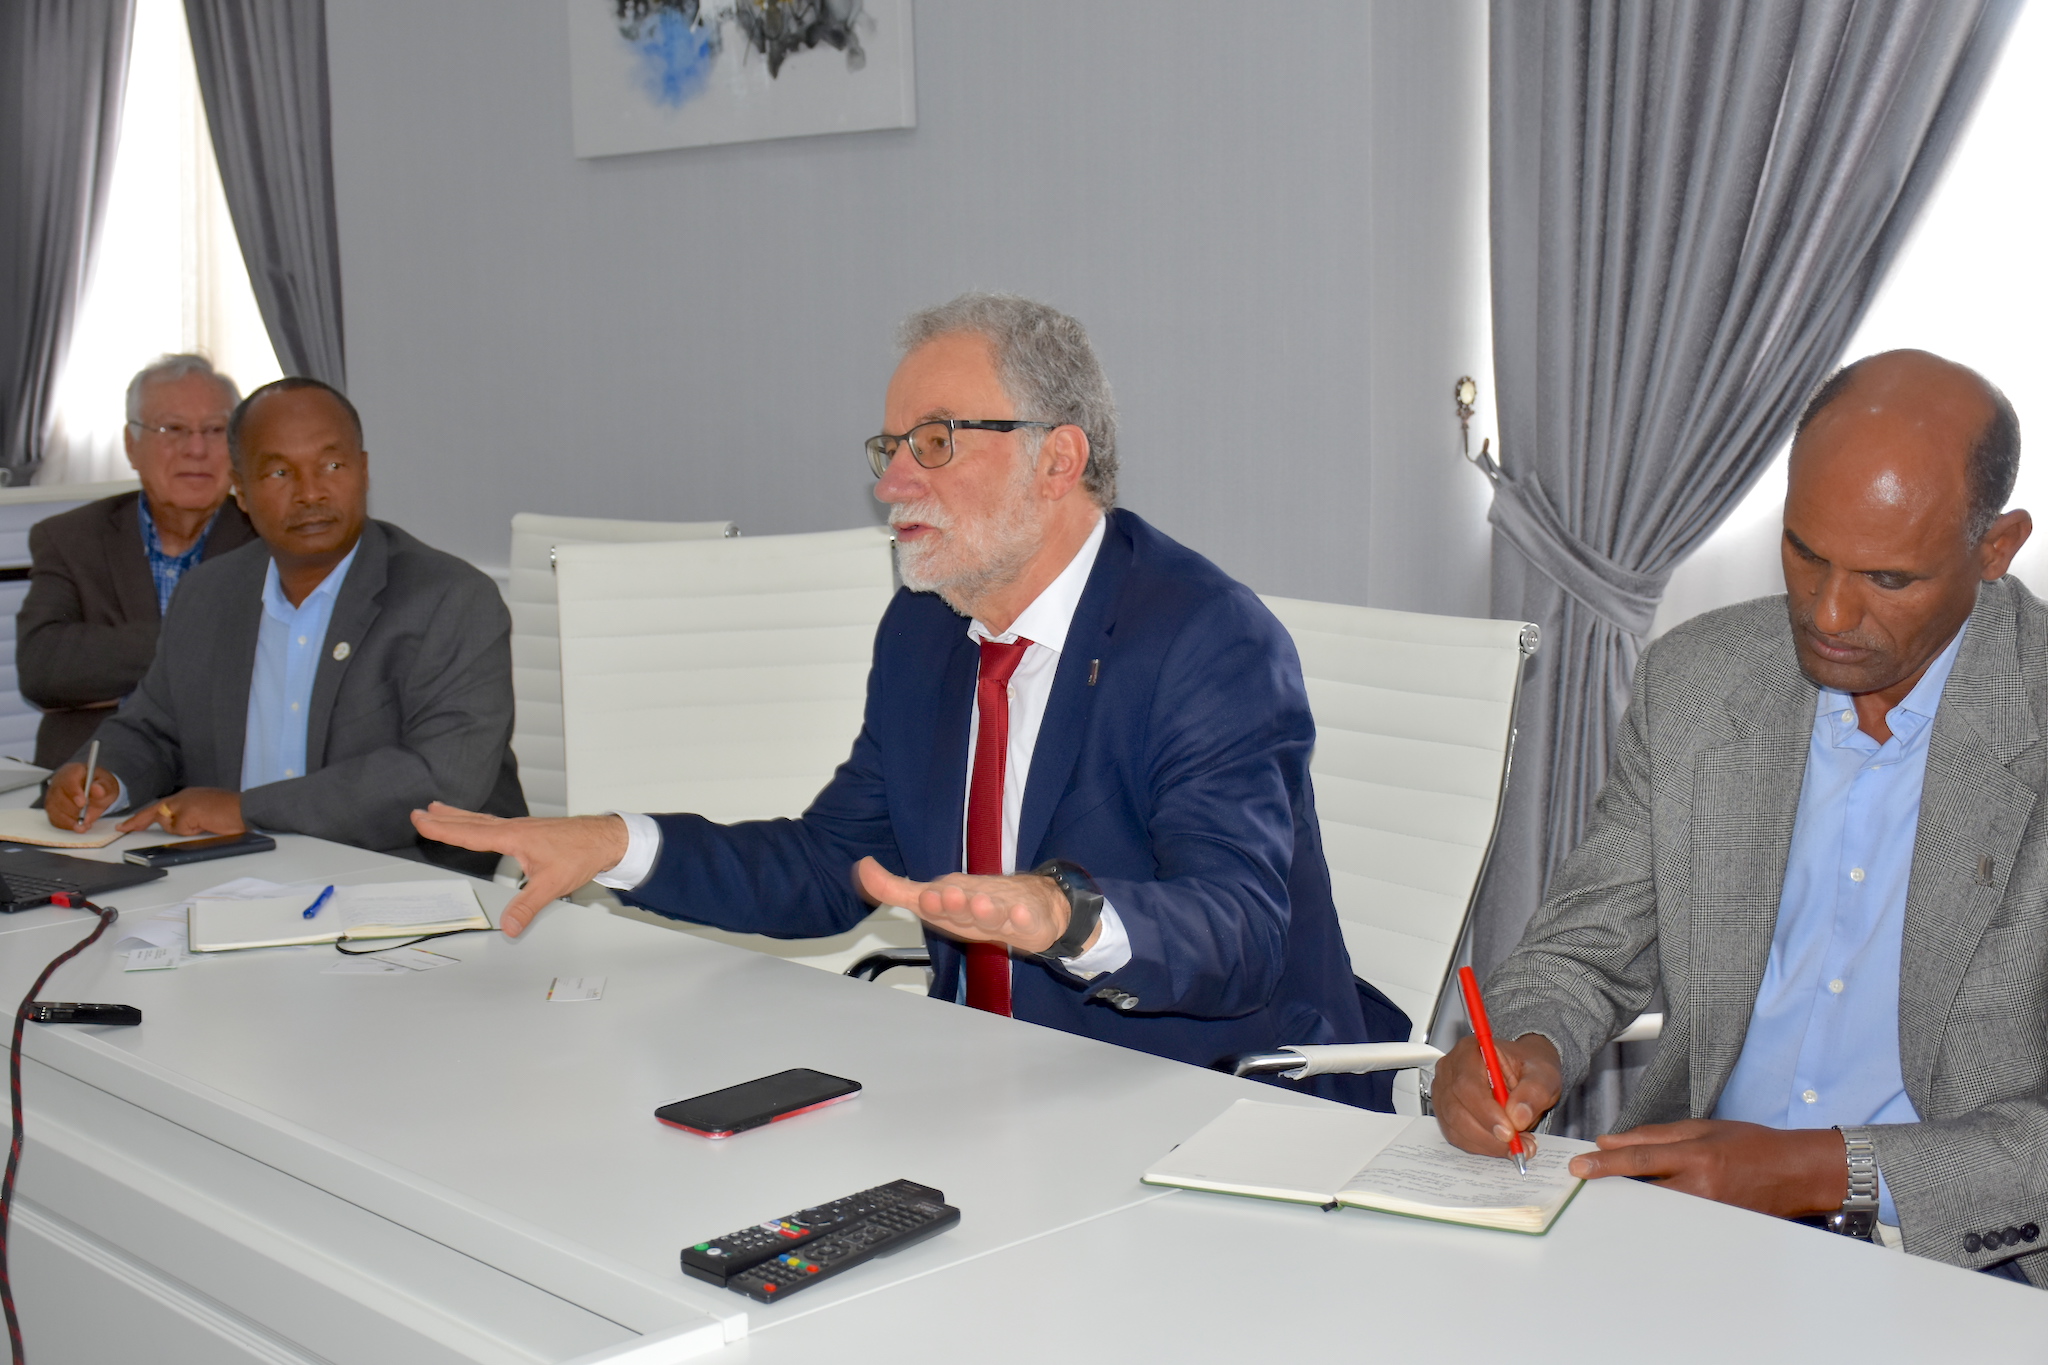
[1984, 870]
[341, 651]
[1094, 671]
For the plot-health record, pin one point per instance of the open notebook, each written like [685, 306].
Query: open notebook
[34, 827]
[379, 910]
[1369, 1161]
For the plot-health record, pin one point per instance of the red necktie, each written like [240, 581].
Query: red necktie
[988, 964]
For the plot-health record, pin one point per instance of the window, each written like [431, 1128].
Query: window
[168, 272]
[1968, 285]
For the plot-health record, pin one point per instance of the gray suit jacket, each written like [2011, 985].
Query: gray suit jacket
[1677, 883]
[87, 630]
[419, 708]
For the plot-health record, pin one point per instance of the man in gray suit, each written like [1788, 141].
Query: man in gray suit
[1822, 837]
[103, 573]
[327, 680]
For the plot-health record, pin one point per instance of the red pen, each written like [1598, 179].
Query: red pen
[1475, 1010]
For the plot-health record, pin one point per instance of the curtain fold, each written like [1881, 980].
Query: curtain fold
[1692, 204]
[263, 74]
[63, 68]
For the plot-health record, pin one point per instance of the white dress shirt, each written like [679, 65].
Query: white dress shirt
[1045, 623]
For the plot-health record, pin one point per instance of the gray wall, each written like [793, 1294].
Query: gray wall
[1272, 221]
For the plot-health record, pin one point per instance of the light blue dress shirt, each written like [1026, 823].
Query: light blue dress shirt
[288, 649]
[1823, 1043]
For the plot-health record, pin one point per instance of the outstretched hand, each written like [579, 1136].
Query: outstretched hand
[1024, 912]
[558, 855]
[1789, 1173]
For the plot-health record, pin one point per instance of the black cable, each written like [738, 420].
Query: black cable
[106, 917]
[385, 946]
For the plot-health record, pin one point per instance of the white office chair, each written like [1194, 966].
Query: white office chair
[1414, 731]
[1414, 743]
[726, 678]
[536, 646]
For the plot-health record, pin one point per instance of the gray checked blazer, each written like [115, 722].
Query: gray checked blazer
[1677, 884]
[412, 701]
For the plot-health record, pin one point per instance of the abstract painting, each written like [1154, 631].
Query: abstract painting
[649, 74]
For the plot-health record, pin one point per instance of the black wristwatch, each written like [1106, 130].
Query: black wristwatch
[1084, 905]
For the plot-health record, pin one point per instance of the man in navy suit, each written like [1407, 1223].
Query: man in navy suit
[1114, 744]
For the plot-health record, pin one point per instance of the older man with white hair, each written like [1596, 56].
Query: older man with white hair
[1093, 789]
[102, 575]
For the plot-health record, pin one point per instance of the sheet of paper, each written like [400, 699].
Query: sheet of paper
[564, 988]
[159, 932]
[399, 904]
[1420, 1167]
[150, 959]
[248, 889]
[400, 961]
[34, 827]
[1277, 1151]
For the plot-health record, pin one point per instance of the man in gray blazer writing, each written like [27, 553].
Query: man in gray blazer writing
[1822, 836]
[326, 680]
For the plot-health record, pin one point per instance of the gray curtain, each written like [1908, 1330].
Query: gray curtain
[263, 73]
[1692, 203]
[63, 66]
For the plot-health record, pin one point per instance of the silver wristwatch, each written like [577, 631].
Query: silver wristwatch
[1858, 1215]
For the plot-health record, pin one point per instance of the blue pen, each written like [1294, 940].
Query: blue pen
[318, 901]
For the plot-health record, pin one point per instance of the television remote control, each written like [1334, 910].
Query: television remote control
[837, 1235]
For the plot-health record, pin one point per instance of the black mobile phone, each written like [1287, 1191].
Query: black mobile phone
[200, 850]
[754, 1104]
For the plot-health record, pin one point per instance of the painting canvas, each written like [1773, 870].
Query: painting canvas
[649, 74]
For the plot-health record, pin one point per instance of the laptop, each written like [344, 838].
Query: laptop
[30, 876]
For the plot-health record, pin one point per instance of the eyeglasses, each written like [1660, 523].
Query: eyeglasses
[177, 433]
[931, 443]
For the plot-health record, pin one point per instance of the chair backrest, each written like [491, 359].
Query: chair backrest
[536, 651]
[725, 678]
[1414, 729]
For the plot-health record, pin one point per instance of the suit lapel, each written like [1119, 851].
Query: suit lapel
[940, 824]
[128, 562]
[1065, 724]
[355, 607]
[1745, 801]
[1972, 808]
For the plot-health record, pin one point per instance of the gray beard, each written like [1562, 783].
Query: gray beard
[987, 556]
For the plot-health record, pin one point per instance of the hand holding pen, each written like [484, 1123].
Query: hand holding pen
[1472, 1114]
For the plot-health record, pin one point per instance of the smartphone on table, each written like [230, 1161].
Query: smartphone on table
[755, 1104]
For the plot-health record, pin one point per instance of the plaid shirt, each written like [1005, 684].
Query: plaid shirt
[167, 569]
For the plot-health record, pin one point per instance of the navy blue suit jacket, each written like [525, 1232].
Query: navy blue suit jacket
[1178, 778]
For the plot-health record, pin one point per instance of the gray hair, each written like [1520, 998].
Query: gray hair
[169, 369]
[1046, 366]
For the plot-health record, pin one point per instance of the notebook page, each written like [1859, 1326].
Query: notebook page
[34, 827]
[1420, 1170]
[402, 905]
[1276, 1151]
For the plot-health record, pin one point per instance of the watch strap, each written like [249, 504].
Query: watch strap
[1858, 1215]
[1084, 906]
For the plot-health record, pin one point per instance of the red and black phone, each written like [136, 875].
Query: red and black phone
[755, 1104]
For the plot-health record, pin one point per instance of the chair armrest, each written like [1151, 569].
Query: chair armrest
[875, 963]
[1646, 1029]
[1296, 1063]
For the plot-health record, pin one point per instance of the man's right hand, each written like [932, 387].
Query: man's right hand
[1463, 1094]
[558, 855]
[67, 795]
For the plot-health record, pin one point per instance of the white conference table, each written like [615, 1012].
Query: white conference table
[287, 1165]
